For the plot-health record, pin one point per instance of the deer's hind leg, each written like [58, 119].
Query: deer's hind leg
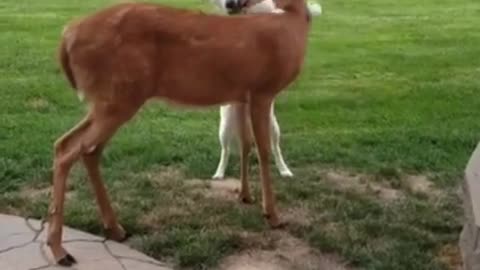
[92, 132]
[91, 161]
[245, 149]
[66, 150]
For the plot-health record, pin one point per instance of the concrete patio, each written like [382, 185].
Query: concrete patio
[23, 247]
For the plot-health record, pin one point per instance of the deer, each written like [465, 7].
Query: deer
[228, 130]
[119, 57]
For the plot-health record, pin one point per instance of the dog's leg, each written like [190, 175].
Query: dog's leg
[225, 136]
[276, 151]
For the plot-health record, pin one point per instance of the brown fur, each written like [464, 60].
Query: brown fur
[126, 54]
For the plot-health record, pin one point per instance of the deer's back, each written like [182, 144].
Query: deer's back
[146, 50]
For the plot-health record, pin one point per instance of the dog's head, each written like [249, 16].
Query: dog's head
[232, 7]
[236, 6]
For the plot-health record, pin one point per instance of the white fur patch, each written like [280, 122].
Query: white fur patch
[91, 149]
[314, 8]
[266, 6]
[80, 95]
[278, 11]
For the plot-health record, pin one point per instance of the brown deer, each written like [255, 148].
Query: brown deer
[124, 55]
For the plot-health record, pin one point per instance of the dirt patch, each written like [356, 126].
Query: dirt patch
[363, 184]
[286, 253]
[451, 256]
[167, 176]
[420, 184]
[387, 189]
[226, 189]
[159, 216]
[34, 193]
[297, 215]
[197, 183]
[185, 196]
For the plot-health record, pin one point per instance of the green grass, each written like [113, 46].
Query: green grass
[388, 88]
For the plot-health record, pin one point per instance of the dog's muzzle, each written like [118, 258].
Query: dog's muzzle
[235, 6]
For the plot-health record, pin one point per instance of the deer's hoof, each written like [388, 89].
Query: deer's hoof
[245, 199]
[274, 222]
[218, 177]
[117, 235]
[67, 260]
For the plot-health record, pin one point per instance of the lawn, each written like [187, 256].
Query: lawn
[377, 131]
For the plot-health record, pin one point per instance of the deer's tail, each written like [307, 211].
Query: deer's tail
[64, 59]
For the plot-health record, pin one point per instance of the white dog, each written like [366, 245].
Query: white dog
[259, 6]
[229, 127]
[229, 130]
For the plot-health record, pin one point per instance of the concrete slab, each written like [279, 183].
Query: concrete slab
[470, 236]
[23, 247]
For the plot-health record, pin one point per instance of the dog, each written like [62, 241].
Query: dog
[229, 124]
[229, 131]
[259, 6]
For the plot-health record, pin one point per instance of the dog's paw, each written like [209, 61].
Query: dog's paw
[286, 173]
[218, 176]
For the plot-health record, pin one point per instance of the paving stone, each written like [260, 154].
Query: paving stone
[83, 251]
[5, 266]
[71, 235]
[23, 258]
[126, 252]
[21, 250]
[13, 225]
[137, 265]
[10, 241]
[470, 237]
